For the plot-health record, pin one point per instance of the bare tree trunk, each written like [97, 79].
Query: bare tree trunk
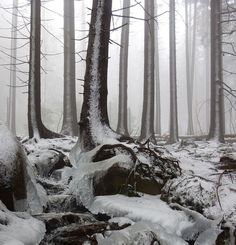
[147, 128]
[157, 83]
[94, 123]
[8, 112]
[122, 127]
[69, 125]
[190, 60]
[12, 91]
[173, 86]
[36, 127]
[216, 131]
[207, 71]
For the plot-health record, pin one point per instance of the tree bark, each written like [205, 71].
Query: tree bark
[94, 123]
[122, 127]
[190, 60]
[216, 131]
[69, 125]
[147, 127]
[207, 59]
[36, 127]
[157, 83]
[173, 86]
[12, 90]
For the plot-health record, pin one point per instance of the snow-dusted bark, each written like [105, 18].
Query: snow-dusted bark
[36, 127]
[173, 85]
[94, 123]
[122, 127]
[217, 98]
[69, 125]
[147, 127]
[12, 91]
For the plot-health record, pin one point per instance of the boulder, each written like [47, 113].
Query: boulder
[18, 190]
[119, 169]
[47, 161]
[146, 172]
[228, 162]
[190, 191]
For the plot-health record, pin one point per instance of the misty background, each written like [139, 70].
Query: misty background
[52, 66]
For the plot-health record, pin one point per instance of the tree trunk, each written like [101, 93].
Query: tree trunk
[173, 86]
[157, 83]
[69, 125]
[36, 127]
[8, 113]
[190, 60]
[216, 131]
[94, 123]
[122, 127]
[147, 128]
[207, 70]
[12, 91]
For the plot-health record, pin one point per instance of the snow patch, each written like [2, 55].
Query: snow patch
[19, 228]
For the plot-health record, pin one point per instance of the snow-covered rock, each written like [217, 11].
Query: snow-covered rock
[18, 187]
[119, 168]
[19, 228]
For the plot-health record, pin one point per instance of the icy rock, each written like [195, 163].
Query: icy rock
[74, 234]
[113, 169]
[228, 162]
[56, 220]
[47, 161]
[63, 203]
[18, 188]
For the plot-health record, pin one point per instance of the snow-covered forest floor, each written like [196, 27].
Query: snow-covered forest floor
[190, 209]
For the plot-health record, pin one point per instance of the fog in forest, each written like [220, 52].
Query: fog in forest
[52, 65]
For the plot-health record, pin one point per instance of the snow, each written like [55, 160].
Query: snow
[149, 217]
[147, 208]
[19, 228]
[200, 169]
[140, 233]
[64, 144]
[182, 224]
